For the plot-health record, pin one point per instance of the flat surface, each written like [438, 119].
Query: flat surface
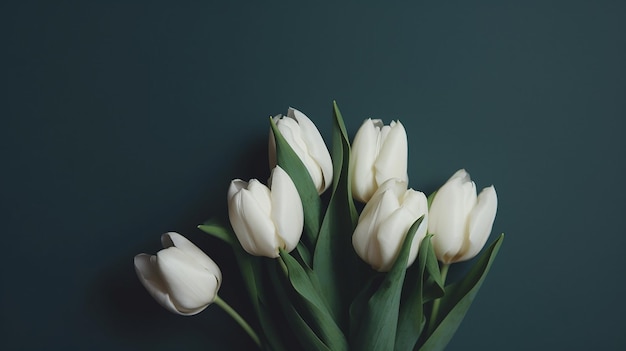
[125, 120]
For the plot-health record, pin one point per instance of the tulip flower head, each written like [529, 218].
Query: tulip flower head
[385, 221]
[306, 141]
[181, 277]
[461, 221]
[266, 219]
[379, 153]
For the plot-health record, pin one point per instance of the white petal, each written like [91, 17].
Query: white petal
[397, 187]
[261, 194]
[182, 243]
[368, 220]
[287, 211]
[360, 239]
[316, 147]
[362, 158]
[462, 175]
[386, 203]
[468, 199]
[392, 158]
[259, 236]
[236, 186]
[290, 130]
[390, 236]
[376, 211]
[480, 222]
[417, 203]
[148, 274]
[235, 213]
[293, 134]
[392, 231]
[192, 288]
[448, 219]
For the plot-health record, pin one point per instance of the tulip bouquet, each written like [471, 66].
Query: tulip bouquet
[326, 272]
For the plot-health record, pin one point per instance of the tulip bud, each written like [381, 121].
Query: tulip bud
[385, 221]
[181, 277]
[460, 221]
[305, 140]
[379, 153]
[266, 220]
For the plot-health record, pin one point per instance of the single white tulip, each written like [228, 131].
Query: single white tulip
[181, 277]
[304, 138]
[461, 221]
[379, 153]
[385, 221]
[266, 220]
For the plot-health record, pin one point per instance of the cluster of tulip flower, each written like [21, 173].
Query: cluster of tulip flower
[321, 276]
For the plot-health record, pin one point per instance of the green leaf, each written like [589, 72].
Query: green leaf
[433, 287]
[303, 332]
[304, 281]
[334, 259]
[289, 161]
[357, 308]
[411, 320]
[377, 331]
[248, 264]
[304, 254]
[458, 299]
[249, 267]
[217, 230]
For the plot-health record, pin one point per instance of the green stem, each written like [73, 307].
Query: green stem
[237, 317]
[437, 302]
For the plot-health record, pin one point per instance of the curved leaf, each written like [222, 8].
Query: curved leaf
[304, 281]
[334, 259]
[250, 269]
[288, 160]
[411, 319]
[303, 332]
[357, 308]
[217, 230]
[377, 331]
[458, 299]
[433, 286]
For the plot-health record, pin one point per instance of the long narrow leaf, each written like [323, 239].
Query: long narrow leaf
[412, 309]
[334, 260]
[358, 306]
[248, 264]
[215, 229]
[378, 329]
[321, 318]
[301, 329]
[288, 160]
[433, 287]
[249, 267]
[458, 299]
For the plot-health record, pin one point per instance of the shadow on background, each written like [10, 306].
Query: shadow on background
[120, 306]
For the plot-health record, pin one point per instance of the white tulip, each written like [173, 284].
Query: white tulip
[305, 140]
[385, 221]
[181, 277]
[461, 221]
[379, 153]
[266, 220]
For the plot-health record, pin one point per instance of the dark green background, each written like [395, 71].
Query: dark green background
[124, 120]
